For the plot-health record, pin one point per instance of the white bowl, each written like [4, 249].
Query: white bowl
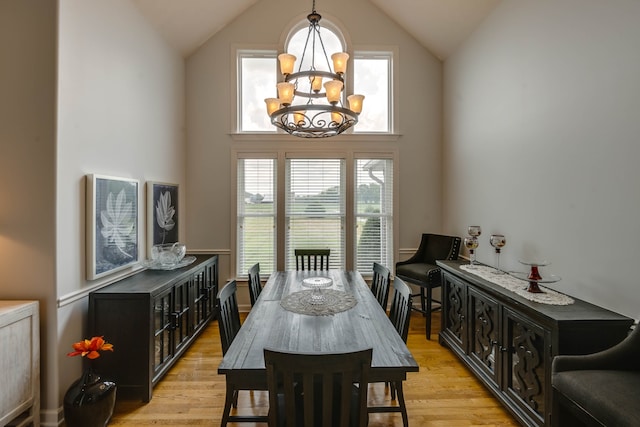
[168, 254]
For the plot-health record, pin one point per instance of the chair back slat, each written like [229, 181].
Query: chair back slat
[312, 390]
[255, 286]
[312, 259]
[400, 312]
[380, 284]
[229, 319]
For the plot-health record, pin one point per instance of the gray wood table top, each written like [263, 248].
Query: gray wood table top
[364, 326]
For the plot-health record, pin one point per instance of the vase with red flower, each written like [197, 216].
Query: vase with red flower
[90, 400]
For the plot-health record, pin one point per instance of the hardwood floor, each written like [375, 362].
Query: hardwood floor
[443, 393]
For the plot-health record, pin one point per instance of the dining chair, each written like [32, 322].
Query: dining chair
[229, 325]
[400, 317]
[380, 284]
[312, 259]
[255, 286]
[229, 316]
[312, 390]
[421, 269]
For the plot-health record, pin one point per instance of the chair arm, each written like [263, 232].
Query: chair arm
[623, 356]
[434, 275]
[416, 257]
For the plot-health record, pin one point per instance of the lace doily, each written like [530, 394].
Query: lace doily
[335, 302]
[518, 286]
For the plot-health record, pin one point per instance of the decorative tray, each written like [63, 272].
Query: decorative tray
[154, 265]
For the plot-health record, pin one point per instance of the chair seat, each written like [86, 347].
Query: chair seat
[602, 393]
[416, 272]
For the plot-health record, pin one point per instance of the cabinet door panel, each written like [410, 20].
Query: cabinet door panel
[484, 336]
[163, 331]
[525, 378]
[211, 280]
[182, 328]
[454, 312]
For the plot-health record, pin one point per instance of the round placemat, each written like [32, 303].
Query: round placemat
[335, 302]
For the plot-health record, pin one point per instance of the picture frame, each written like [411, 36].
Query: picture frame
[163, 214]
[112, 211]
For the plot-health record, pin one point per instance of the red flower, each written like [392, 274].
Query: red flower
[91, 348]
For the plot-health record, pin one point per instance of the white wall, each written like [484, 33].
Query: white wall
[120, 113]
[210, 86]
[542, 109]
[27, 162]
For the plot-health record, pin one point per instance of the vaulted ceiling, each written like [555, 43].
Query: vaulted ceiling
[439, 25]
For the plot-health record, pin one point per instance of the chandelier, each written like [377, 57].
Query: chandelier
[326, 116]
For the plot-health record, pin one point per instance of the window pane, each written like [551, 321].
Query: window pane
[371, 78]
[315, 208]
[374, 213]
[256, 222]
[258, 81]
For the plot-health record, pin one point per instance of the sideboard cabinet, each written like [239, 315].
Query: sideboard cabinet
[509, 342]
[19, 363]
[151, 318]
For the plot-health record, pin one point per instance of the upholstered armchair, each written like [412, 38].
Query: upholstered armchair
[599, 389]
[421, 269]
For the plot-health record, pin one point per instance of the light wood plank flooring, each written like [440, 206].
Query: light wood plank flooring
[443, 393]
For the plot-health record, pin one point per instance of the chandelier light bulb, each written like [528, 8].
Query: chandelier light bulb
[355, 103]
[340, 62]
[336, 118]
[334, 89]
[273, 104]
[298, 118]
[285, 92]
[316, 83]
[287, 62]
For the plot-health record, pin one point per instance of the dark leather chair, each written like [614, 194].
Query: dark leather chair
[421, 269]
[380, 284]
[229, 325]
[255, 286]
[598, 389]
[312, 259]
[400, 316]
[310, 389]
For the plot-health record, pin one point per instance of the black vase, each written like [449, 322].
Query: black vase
[89, 401]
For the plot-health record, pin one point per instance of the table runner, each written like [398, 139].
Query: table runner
[518, 286]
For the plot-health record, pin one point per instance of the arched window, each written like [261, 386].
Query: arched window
[331, 41]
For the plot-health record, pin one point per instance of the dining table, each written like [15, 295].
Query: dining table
[324, 311]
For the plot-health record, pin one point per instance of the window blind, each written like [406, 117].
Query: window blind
[256, 215]
[315, 208]
[374, 213]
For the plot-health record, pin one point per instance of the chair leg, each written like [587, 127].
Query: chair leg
[228, 401]
[422, 302]
[428, 312]
[403, 407]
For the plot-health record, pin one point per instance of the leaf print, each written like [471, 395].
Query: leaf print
[164, 213]
[118, 222]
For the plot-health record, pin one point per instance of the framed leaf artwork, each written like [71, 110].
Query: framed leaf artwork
[112, 207]
[162, 214]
